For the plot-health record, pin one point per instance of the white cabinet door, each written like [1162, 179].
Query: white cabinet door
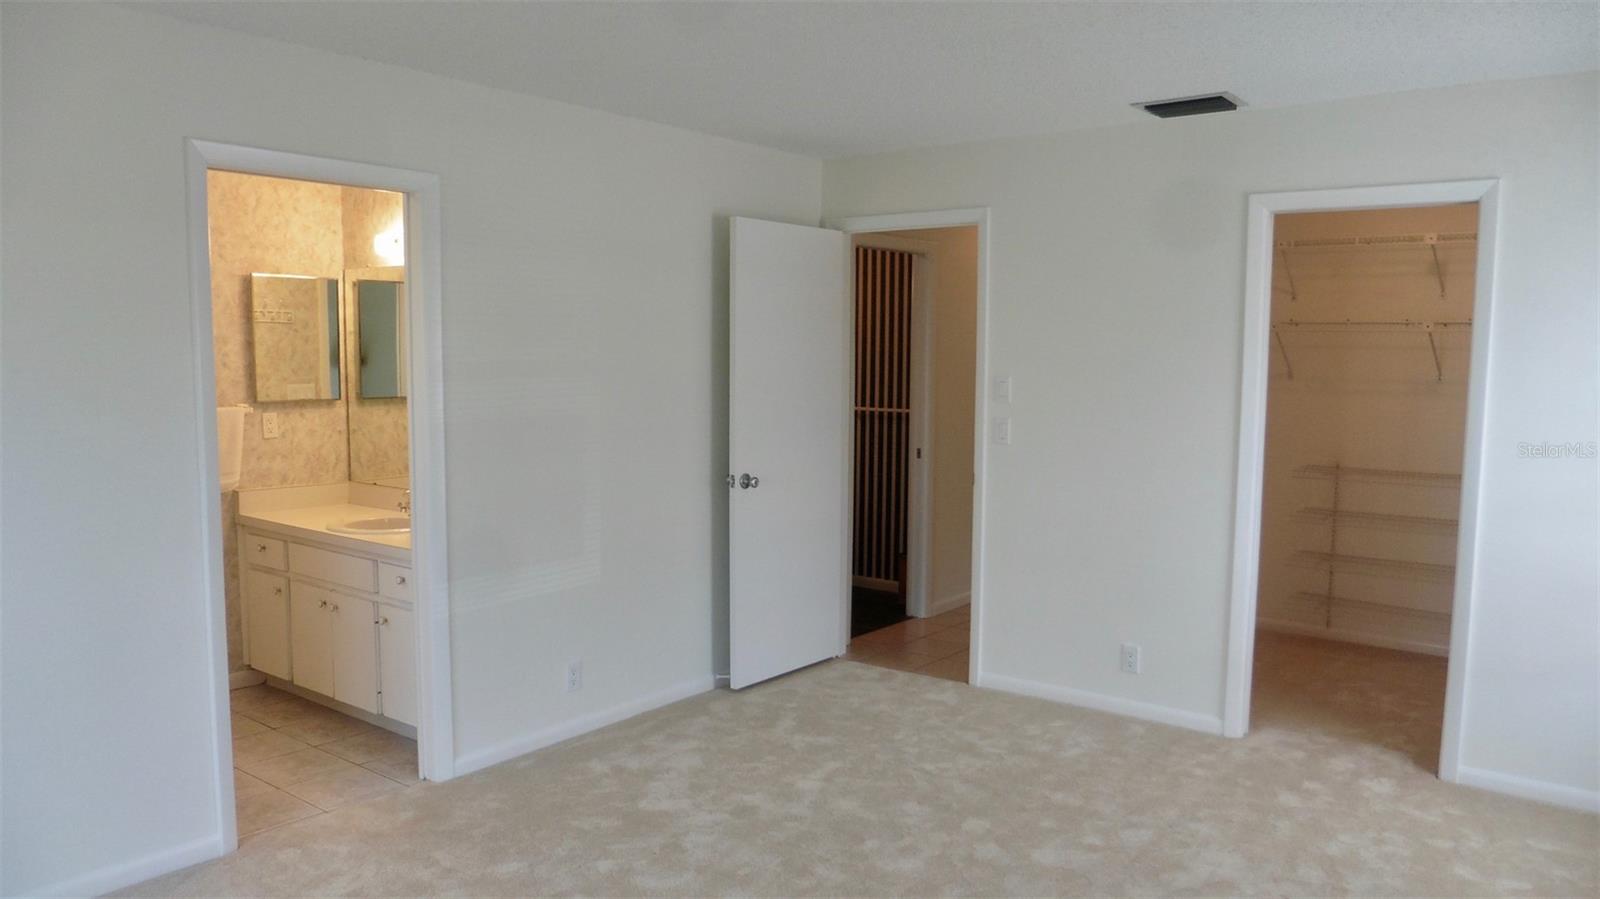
[397, 663]
[266, 597]
[788, 447]
[311, 636]
[355, 652]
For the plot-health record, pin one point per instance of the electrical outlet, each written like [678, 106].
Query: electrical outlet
[574, 676]
[1131, 663]
[1002, 390]
[1001, 432]
[271, 428]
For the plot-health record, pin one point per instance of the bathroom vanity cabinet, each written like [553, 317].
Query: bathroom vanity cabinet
[330, 618]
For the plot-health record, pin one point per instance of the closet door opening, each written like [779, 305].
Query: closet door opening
[883, 454]
[1366, 425]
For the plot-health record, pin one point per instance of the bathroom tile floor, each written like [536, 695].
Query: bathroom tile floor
[294, 759]
[936, 646]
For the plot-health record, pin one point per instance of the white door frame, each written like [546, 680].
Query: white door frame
[955, 218]
[1253, 417]
[919, 508]
[435, 733]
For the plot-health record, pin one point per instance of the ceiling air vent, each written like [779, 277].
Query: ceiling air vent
[1200, 105]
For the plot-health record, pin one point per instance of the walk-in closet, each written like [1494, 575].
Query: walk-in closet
[1366, 412]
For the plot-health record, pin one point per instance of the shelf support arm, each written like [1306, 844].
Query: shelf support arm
[1438, 270]
[1294, 293]
[1277, 336]
[1438, 370]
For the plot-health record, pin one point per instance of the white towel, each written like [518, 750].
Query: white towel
[230, 445]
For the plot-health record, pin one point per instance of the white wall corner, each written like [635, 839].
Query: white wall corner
[1528, 788]
[1100, 702]
[947, 603]
[124, 874]
[566, 730]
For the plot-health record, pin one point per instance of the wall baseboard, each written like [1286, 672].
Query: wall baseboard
[566, 730]
[126, 874]
[955, 601]
[1528, 788]
[249, 677]
[1100, 702]
[875, 583]
[1348, 636]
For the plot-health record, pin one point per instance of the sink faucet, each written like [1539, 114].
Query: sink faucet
[405, 504]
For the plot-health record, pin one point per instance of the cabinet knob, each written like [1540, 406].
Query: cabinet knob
[261, 547]
[383, 621]
[336, 607]
[277, 591]
[400, 579]
[323, 604]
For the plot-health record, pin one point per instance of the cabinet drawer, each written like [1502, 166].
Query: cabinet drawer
[267, 552]
[334, 567]
[394, 582]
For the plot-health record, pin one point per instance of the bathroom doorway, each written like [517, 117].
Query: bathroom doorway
[314, 285]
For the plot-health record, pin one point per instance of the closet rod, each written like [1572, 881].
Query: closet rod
[1427, 328]
[1422, 239]
[1378, 326]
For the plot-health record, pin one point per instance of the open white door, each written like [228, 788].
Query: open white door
[789, 406]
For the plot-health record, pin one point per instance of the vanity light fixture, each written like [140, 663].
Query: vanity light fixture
[390, 245]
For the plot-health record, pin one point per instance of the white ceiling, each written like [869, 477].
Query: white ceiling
[838, 79]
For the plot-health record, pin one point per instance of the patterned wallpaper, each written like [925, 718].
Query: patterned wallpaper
[379, 447]
[274, 225]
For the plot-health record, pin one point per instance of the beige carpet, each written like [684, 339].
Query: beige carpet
[846, 779]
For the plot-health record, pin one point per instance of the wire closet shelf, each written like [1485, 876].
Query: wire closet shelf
[1430, 241]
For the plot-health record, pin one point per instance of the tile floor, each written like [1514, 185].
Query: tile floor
[934, 646]
[294, 759]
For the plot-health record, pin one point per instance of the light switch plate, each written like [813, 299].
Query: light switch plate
[1000, 433]
[1002, 390]
[270, 426]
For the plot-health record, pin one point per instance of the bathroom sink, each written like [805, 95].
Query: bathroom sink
[391, 524]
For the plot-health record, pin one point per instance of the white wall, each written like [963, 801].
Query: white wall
[954, 357]
[1116, 281]
[584, 324]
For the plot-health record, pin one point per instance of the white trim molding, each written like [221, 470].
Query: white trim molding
[1240, 649]
[956, 218]
[575, 727]
[947, 603]
[1100, 702]
[1527, 788]
[426, 407]
[117, 876]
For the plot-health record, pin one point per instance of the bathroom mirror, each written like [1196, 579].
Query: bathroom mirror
[295, 326]
[381, 338]
[378, 358]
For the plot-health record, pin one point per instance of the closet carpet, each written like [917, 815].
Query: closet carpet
[846, 779]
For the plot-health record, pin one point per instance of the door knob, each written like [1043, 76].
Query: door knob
[749, 481]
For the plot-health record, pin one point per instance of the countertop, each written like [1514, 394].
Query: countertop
[312, 522]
